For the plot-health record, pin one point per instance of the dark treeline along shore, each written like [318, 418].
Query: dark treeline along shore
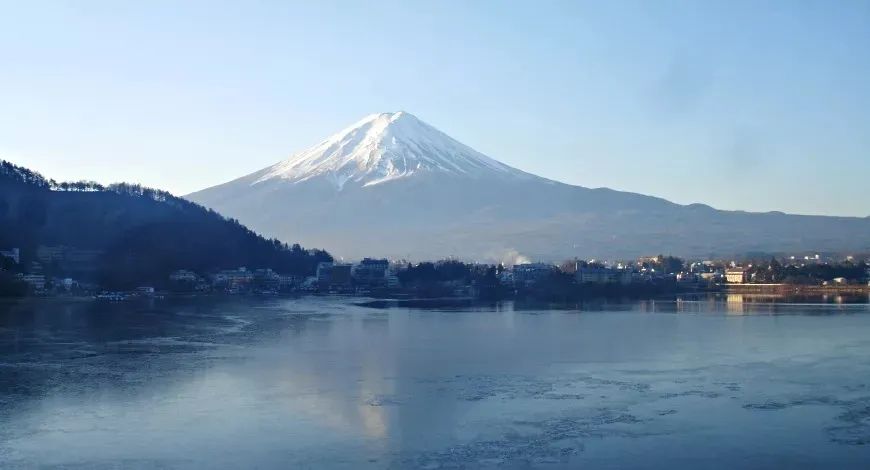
[124, 236]
[130, 235]
[86, 238]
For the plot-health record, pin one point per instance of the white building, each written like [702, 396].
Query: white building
[736, 275]
[711, 277]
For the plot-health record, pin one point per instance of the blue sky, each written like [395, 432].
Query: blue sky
[740, 105]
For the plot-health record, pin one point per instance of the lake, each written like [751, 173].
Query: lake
[342, 383]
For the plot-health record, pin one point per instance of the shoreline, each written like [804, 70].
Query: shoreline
[782, 292]
[795, 289]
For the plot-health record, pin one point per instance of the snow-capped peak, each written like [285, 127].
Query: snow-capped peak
[385, 147]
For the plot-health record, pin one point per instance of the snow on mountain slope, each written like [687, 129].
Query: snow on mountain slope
[393, 186]
[386, 147]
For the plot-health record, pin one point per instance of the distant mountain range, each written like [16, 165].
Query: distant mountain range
[391, 185]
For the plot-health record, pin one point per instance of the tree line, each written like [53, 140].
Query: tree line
[141, 233]
[773, 271]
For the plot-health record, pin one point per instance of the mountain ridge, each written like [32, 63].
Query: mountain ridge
[454, 201]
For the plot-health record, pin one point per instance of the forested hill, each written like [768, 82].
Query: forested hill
[140, 234]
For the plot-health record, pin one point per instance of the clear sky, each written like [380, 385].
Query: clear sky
[755, 105]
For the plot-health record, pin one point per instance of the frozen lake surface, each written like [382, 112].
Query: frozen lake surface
[330, 383]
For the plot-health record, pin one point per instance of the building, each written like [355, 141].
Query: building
[267, 279]
[234, 280]
[593, 276]
[711, 277]
[308, 284]
[688, 277]
[333, 274]
[185, 280]
[506, 278]
[393, 281]
[736, 275]
[183, 275]
[324, 272]
[14, 254]
[288, 282]
[602, 276]
[531, 273]
[371, 272]
[67, 283]
[341, 275]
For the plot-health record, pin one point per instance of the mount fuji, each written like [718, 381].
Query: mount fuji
[391, 185]
[387, 147]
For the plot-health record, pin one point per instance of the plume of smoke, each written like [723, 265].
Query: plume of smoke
[511, 257]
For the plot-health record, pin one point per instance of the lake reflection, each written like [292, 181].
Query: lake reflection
[344, 383]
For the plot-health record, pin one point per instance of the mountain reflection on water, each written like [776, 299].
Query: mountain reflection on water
[320, 382]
